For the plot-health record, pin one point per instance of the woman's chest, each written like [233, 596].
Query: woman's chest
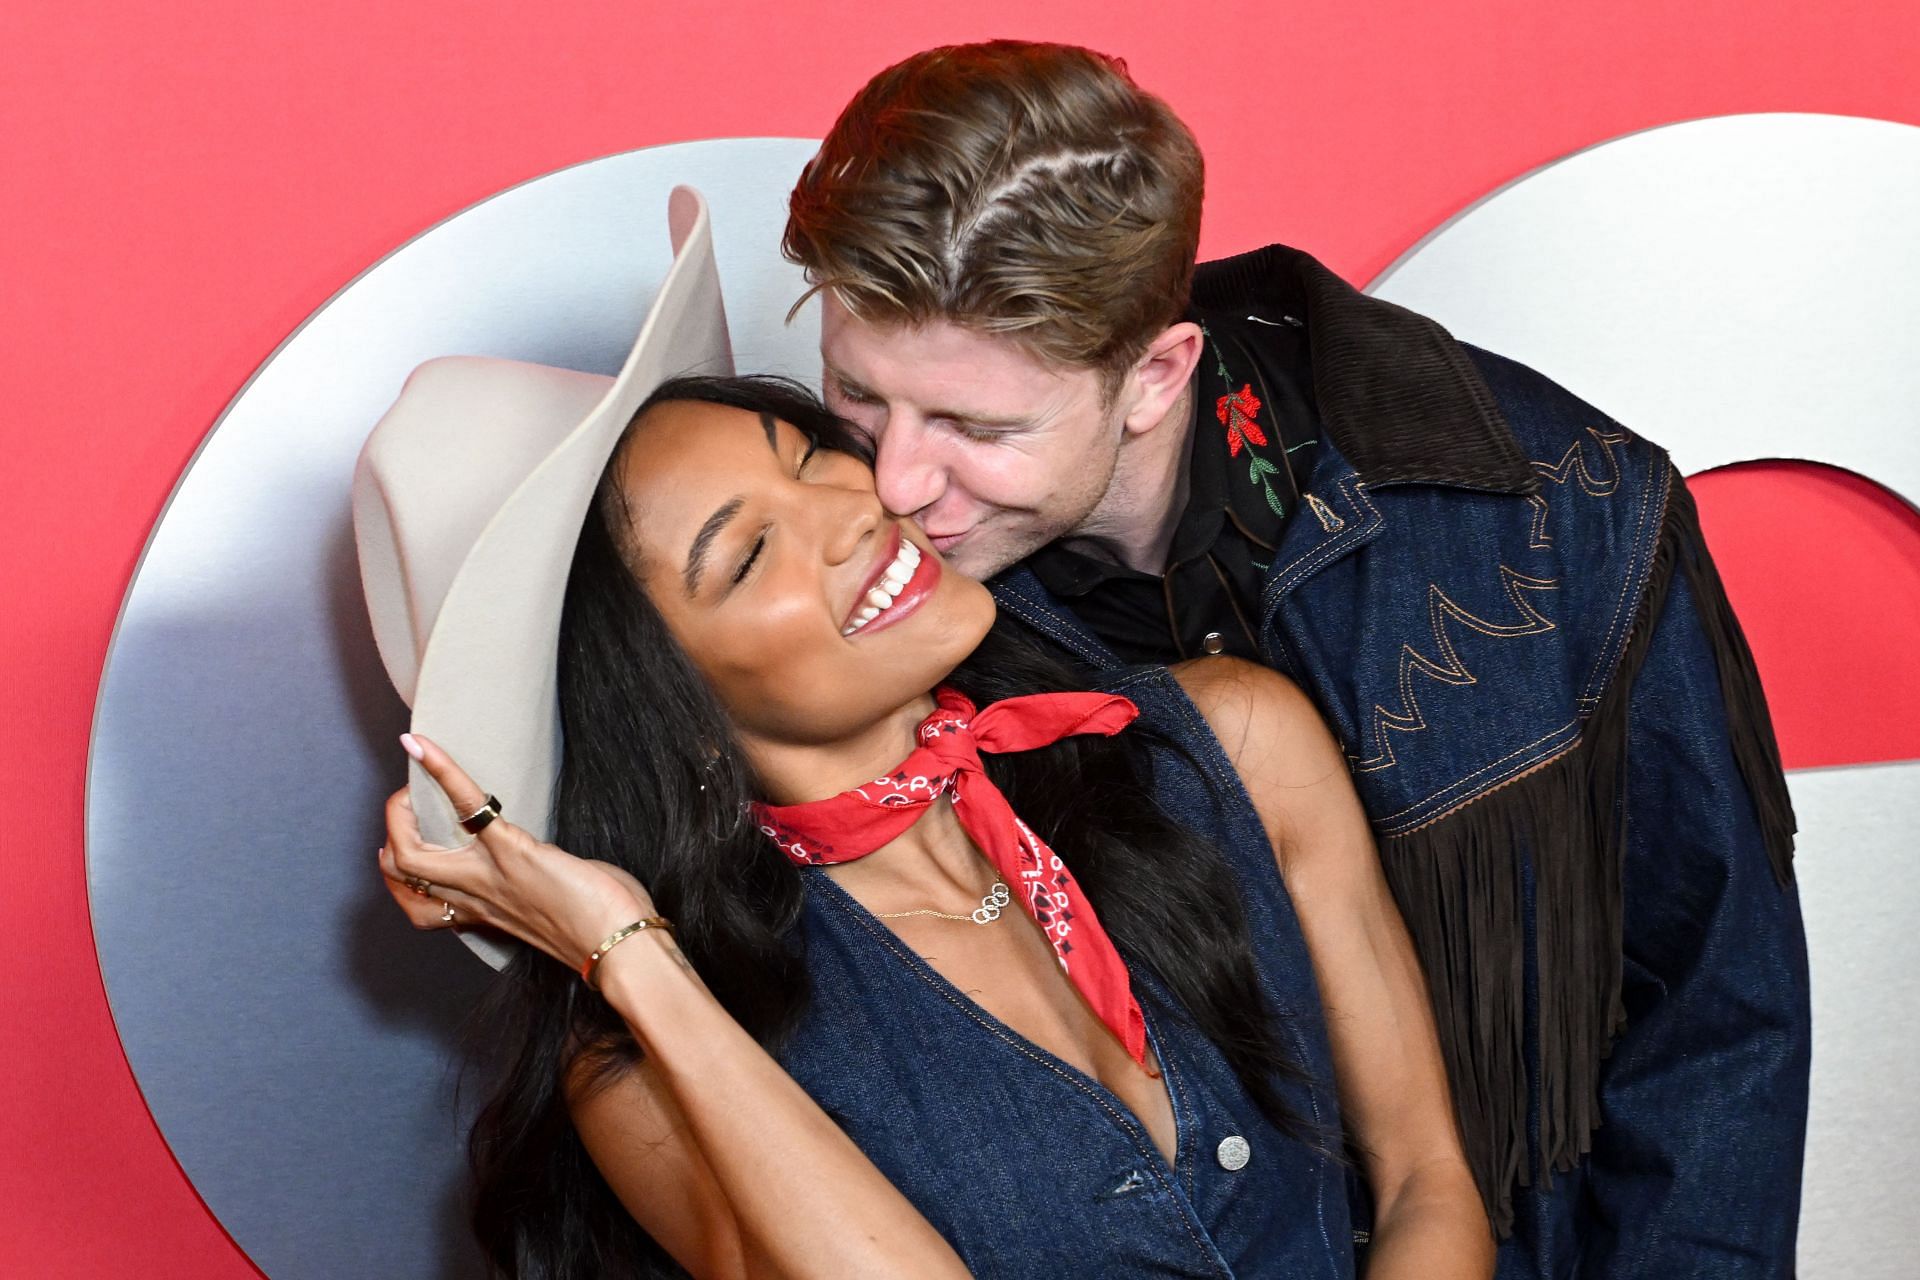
[1030, 1164]
[1010, 971]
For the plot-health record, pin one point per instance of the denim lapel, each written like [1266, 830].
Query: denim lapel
[1020, 593]
[1337, 517]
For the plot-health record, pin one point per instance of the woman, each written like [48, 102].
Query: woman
[880, 1065]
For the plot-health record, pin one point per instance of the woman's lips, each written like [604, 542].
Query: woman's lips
[918, 588]
[887, 553]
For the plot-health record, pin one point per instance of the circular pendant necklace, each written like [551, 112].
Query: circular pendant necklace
[991, 905]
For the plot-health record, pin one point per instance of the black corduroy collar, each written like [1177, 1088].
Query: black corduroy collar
[1397, 394]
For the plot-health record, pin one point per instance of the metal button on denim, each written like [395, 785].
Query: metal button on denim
[1213, 642]
[1233, 1153]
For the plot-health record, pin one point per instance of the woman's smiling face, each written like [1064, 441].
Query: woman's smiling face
[812, 613]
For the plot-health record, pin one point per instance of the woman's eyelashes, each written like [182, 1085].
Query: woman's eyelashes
[753, 554]
[760, 542]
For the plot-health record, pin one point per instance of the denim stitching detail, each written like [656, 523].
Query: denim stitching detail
[1654, 499]
[1537, 536]
[1329, 521]
[1219, 768]
[1184, 1135]
[1634, 581]
[1543, 750]
[1573, 466]
[1630, 579]
[1049, 622]
[1355, 491]
[1451, 670]
[1201, 733]
[1574, 463]
[1518, 775]
[1129, 1126]
[1137, 676]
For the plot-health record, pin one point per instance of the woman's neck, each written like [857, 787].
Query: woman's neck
[796, 772]
[931, 863]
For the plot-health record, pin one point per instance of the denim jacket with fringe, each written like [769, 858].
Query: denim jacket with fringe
[1500, 600]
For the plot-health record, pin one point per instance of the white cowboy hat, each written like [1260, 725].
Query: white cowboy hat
[468, 498]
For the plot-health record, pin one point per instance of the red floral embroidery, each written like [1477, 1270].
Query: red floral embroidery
[1237, 412]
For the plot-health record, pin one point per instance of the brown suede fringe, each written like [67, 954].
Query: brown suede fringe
[1458, 883]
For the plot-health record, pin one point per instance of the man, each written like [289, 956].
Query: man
[1498, 597]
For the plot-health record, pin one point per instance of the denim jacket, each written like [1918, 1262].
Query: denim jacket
[1500, 600]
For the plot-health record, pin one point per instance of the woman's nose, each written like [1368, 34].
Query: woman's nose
[849, 522]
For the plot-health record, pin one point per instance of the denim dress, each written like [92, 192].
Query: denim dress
[1028, 1166]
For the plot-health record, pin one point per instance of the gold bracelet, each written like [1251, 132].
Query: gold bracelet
[615, 938]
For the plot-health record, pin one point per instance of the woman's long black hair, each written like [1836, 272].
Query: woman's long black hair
[640, 787]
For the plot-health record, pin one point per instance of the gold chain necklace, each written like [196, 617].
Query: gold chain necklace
[987, 912]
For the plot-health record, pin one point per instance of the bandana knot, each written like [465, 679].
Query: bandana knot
[868, 817]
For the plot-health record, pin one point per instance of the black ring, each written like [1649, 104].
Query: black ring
[476, 822]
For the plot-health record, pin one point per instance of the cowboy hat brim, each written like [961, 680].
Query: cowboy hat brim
[468, 500]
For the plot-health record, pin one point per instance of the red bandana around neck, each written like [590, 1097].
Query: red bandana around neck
[855, 823]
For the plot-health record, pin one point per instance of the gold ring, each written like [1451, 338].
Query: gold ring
[446, 914]
[476, 821]
[422, 887]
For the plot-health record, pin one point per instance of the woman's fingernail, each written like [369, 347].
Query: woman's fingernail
[412, 745]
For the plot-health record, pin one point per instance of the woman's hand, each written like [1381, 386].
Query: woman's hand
[685, 1140]
[538, 892]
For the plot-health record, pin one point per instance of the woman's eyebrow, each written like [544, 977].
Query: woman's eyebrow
[703, 542]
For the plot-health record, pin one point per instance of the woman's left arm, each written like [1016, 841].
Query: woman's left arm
[1429, 1221]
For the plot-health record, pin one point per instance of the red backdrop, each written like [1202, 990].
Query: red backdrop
[184, 184]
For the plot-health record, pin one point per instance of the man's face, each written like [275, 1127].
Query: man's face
[991, 452]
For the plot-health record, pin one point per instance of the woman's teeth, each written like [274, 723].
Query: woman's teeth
[892, 582]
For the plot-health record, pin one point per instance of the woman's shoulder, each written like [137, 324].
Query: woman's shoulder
[1247, 706]
[1273, 735]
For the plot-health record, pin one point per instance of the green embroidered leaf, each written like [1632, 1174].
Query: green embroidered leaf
[1262, 465]
[1253, 467]
[1273, 501]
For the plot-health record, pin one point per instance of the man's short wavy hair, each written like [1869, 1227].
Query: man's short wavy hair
[1031, 190]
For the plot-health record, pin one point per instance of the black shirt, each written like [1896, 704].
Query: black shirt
[1249, 451]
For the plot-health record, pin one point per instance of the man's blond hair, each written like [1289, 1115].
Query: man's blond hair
[1031, 190]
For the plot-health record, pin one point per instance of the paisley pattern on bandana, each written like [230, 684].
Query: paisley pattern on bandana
[947, 761]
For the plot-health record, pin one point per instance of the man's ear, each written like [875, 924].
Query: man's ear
[1154, 384]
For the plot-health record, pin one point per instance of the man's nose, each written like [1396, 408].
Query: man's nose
[906, 475]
